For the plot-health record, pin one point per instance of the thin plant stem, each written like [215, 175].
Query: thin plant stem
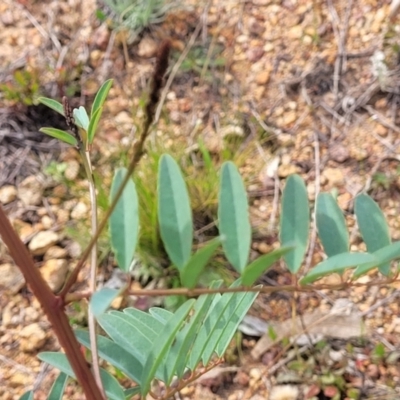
[138, 149]
[93, 267]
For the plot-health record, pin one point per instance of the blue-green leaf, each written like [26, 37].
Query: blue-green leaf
[373, 226]
[129, 393]
[337, 264]
[162, 344]
[59, 360]
[57, 390]
[178, 355]
[126, 334]
[234, 320]
[61, 135]
[254, 270]
[331, 225]
[174, 213]
[113, 353]
[192, 270]
[101, 300]
[81, 118]
[384, 256]
[295, 221]
[101, 96]
[233, 215]
[27, 396]
[124, 221]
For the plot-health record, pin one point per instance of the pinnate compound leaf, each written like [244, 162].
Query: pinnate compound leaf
[384, 256]
[233, 216]
[61, 135]
[295, 221]
[259, 266]
[124, 221]
[101, 96]
[373, 226]
[57, 390]
[192, 270]
[101, 300]
[114, 354]
[174, 213]
[233, 322]
[161, 314]
[178, 355]
[27, 396]
[94, 122]
[162, 344]
[126, 334]
[337, 264]
[331, 225]
[59, 360]
[53, 104]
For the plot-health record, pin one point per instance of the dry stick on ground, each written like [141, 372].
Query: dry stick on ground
[317, 185]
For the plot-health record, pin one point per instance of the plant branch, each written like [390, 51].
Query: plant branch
[265, 289]
[53, 307]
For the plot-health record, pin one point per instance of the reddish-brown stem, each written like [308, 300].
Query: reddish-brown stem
[52, 305]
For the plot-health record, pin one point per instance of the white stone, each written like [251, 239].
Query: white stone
[41, 242]
[30, 191]
[33, 337]
[8, 193]
[54, 272]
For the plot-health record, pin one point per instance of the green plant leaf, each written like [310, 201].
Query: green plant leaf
[101, 96]
[124, 221]
[53, 104]
[174, 213]
[384, 256]
[27, 396]
[94, 122]
[59, 360]
[113, 353]
[126, 335]
[331, 225]
[161, 314]
[178, 355]
[60, 134]
[101, 300]
[129, 393]
[295, 221]
[337, 264]
[149, 326]
[373, 226]
[254, 270]
[192, 270]
[81, 118]
[233, 215]
[233, 322]
[162, 344]
[57, 390]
